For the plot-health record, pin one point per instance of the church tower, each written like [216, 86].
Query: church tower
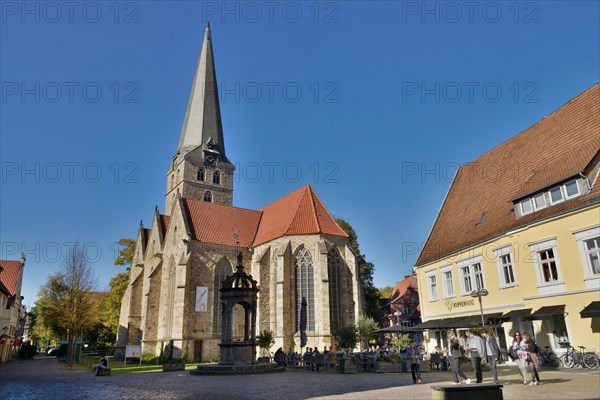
[200, 168]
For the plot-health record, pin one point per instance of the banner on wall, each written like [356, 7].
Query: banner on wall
[201, 298]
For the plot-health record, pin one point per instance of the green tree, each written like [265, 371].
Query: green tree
[365, 328]
[112, 302]
[345, 337]
[64, 302]
[118, 285]
[386, 292]
[265, 340]
[126, 252]
[402, 341]
[366, 270]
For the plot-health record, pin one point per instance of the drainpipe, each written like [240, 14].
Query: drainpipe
[589, 185]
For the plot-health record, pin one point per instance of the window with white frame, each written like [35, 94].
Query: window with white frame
[548, 265]
[504, 262]
[466, 279]
[478, 273]
[588, 240]
[572, 188]
[539, 201]
[472, 277]
[447, 282]
[432, 285]
[556, 195]
[545, 257]
[526, 207]
[592, 248]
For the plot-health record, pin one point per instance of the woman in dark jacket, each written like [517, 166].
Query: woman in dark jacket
[454, 358]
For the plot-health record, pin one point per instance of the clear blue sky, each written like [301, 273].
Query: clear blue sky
[383, 99]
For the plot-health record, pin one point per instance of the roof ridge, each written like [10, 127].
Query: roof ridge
[291, 222]
[313, 207]
[572, 100]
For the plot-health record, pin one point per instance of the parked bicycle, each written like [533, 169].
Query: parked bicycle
[549, 358]
[579, 358]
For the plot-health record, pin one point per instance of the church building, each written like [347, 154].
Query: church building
[292, 247]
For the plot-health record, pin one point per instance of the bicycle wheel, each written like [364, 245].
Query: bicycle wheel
[590, 360]
[553, 360]
[567, 360]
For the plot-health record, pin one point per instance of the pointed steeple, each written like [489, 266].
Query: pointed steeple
[202, 124]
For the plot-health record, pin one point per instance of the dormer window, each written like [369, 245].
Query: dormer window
[539, 201]
[556, 195]
[549, 197]
[526, 207]
[572, 189]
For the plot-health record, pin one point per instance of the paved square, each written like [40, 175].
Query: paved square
[45, 378]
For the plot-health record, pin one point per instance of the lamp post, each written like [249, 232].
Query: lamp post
[479, 294]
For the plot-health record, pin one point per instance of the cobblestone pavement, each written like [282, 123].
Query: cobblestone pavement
[44, 378]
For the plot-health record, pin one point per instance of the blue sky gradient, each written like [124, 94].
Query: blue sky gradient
[375, 104]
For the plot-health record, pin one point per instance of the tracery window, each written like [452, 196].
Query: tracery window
[305, 287]
[334, 270]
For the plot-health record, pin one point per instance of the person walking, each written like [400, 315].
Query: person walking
[475, 346]
[517, 346]
[415, 358]
[491, 352]
[454, 359]
[532, 359]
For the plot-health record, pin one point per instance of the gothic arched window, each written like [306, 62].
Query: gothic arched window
[175, 236]
[334, 270]
[208, 196]
[172, 180]
[200, 174]
[217, 178]
[222, 271]
[305, 287]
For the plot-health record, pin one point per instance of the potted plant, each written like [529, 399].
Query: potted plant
[264, 341]
[346, 338]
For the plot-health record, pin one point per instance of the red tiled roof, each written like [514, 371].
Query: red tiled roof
[559, 146]
[217, 223]
[146, 233]
[10, 275]
[298, 213]
[164, 221]
[402, 286]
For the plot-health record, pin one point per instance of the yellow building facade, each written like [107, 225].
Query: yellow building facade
[519, 230]
[525, 292]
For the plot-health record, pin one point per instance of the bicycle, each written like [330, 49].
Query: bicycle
[548, 357]
[579, 358]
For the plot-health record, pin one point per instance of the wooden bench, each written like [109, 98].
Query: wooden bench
[479, 391]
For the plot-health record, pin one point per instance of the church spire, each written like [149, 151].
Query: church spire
[202, 124]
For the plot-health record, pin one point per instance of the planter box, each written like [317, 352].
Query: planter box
[388, 367]
[264, 360]
[173, 367]
[348, 366]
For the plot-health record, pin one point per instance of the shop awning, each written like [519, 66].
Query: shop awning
[547, 312]
[457, 322]
[472, 320]
[517, 313]
[591, 310]
[400, 329]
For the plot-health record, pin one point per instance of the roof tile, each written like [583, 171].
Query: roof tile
[10, 274]
[558, 147]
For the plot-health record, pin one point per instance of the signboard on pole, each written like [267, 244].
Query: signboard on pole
[133, 351]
